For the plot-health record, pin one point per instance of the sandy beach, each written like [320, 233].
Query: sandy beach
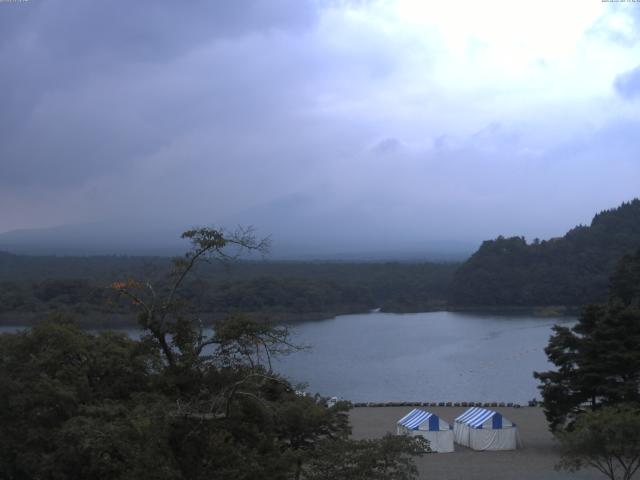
[535, 461]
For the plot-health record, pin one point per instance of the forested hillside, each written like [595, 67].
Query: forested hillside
[505, 272]
[572, 270]
[32, 285]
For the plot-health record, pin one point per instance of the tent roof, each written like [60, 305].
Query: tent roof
[415, 418]
[476, 416]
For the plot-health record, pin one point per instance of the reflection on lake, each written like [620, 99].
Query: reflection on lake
[435, 356]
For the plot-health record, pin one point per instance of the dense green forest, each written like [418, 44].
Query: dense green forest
[32, 286]
[572, 270]
[591, 397]
[597, 360]
[506, 272]
[176, 403]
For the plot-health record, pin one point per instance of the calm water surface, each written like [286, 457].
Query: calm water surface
[434, 356]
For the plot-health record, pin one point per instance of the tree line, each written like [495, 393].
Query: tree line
[506, 272]
[177, 403]
[592, 397]
[284, 290]
[572, 270]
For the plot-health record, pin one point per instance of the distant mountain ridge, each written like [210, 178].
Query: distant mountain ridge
[572, 270]
[94, 239]
[104, 238]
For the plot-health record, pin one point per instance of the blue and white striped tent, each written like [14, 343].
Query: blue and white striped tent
[482, 429]
[428, 425]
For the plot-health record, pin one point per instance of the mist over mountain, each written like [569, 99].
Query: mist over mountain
[304, 226]
[288, 243]
[94, 239]
[301, 227]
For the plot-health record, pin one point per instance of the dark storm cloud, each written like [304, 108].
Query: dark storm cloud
[147, 30]
[627, 84]
[89, 86]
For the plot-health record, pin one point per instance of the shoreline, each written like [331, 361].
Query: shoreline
[536, 459]
[119, 320]
[447, 404]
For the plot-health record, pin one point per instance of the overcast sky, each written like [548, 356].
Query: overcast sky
[381, 122]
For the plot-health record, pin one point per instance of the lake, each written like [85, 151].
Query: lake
[434, 356]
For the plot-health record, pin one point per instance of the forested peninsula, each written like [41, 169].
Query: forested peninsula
[32, 287]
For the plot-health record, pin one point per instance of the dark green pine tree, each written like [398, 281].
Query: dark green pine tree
[598, 360]
[625, 282]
